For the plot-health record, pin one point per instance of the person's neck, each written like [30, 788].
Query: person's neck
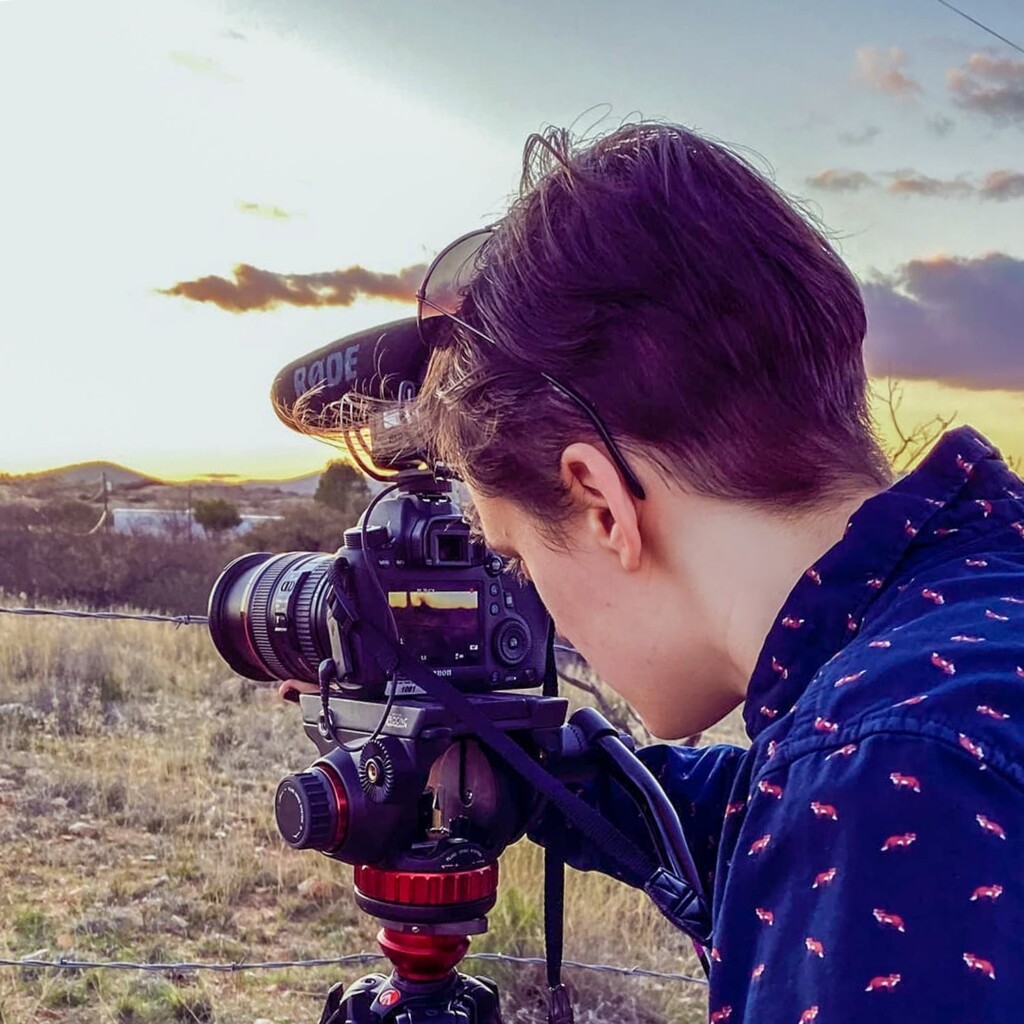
[746, 562]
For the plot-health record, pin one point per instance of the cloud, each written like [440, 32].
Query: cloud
[203, 66]
[953, 320]
[996, 186]
[833, 180]
[254, 288]
[860, 138]
[264, 210]
[910, 183]
[1002, 185]
[883, 71]
[1005, 69]
[991, 86]
[940, 125]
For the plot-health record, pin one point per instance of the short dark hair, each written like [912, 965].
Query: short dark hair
[704, 313]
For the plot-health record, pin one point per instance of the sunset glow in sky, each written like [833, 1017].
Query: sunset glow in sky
[193, 194]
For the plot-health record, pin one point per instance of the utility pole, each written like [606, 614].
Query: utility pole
[106, 502]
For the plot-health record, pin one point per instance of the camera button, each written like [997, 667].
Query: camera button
[493, 589]
[495, 608]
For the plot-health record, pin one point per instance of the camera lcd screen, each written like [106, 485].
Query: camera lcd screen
[439, 627]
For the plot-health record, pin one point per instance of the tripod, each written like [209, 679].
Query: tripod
[428, 918]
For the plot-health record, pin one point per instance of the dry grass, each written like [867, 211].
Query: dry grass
[136, 792]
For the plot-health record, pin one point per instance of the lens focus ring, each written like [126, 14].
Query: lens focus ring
[307, 602]
[259, 624]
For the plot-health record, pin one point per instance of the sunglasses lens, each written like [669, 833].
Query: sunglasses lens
[450, 275]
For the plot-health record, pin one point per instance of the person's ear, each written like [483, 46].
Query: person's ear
[609, 510]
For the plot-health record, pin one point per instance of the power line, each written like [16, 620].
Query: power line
[982, 25]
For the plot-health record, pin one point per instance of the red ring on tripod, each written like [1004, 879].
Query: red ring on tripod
[422, 957]
[427, 888]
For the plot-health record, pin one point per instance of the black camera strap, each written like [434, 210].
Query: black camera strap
[636, 866]
[559, 1004]
[673, 896]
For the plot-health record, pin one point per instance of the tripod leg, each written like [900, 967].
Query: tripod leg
[353, 1005]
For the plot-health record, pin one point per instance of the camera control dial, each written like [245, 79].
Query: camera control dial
[378, 772]
[312, 810]
[511, 642]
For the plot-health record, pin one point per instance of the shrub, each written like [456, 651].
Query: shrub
[215, 515]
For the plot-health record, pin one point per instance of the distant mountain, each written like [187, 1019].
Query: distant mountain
[304, 485]
[92, 473]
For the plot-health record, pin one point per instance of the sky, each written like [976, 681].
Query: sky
[193, 194]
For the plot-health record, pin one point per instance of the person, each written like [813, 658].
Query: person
[650, 376]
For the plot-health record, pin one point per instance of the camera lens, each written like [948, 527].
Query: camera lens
[268, 615]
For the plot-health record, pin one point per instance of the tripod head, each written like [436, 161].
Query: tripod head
[423, 811]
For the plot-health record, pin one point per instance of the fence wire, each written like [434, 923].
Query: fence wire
[178, 620]
[67, 964]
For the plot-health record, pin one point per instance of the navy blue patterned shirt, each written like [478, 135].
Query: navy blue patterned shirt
[866, 853]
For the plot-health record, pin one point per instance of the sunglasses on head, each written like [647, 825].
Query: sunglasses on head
[440, 295]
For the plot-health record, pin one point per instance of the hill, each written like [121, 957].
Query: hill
[90, 473]
[302, 485]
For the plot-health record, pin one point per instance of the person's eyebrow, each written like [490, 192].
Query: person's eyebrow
[476, 532]
[498, 549]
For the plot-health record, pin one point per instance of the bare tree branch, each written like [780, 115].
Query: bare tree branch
[911, 445]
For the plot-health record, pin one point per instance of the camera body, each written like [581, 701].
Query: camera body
[402, 784]
[408, 585]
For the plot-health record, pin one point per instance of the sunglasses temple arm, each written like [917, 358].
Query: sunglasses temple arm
[634, 485]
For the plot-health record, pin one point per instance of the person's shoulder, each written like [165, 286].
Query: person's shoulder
[950, 667]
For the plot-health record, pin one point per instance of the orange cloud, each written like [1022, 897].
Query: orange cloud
[884, 71]
[832, 180]
[990, 86]
[1001, 185]
[997, 186]
[910, 183]
[252, 288]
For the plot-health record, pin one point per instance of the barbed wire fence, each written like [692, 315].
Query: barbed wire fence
[31, 962]
[36, 961]
[74, 613]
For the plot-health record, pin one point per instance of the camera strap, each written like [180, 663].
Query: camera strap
[676, 899]
[559, 1004]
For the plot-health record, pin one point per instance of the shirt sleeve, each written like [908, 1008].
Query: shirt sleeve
[697, 781]
[879, 881]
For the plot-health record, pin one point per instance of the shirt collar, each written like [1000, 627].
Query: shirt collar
[825, 608]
